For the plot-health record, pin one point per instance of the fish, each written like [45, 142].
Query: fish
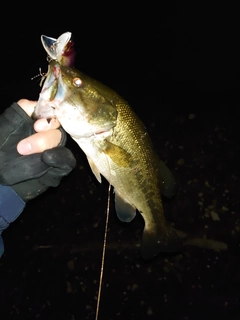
[117, 146]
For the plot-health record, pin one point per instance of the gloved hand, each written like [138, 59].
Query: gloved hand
[29, 175]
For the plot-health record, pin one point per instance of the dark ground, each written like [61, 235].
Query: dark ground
[181, 76]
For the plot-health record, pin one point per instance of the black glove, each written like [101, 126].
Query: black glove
[29, 175]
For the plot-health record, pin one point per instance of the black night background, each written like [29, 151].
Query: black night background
[178, 67]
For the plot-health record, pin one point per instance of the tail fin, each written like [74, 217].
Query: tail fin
[155, 241]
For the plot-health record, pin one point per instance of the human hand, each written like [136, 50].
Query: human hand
[35, 163]
[47, 135]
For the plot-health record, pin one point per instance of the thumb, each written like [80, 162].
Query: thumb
[39, 142]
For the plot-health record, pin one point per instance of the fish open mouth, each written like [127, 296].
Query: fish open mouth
[47, 105]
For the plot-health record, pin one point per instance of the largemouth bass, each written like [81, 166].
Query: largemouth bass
[117, 147]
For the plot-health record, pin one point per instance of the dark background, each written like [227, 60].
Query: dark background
[178, 67]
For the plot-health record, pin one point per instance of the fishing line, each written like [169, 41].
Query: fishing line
[103, 253]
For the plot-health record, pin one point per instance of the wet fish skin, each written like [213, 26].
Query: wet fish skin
[117, 147]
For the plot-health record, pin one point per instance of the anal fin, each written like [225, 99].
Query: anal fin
[124, 210]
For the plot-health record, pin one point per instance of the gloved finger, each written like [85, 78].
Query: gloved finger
[51, 177]
[59, 157]
[27, 105]
[39, 142]
[22, 169]
[15, 125]
[56, 162]
[45, 124]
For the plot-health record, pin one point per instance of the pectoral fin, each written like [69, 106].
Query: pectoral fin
[168, 182]
[124, 210]
[118, 155]
[95, 170]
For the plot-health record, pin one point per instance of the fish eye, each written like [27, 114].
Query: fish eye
[77, 82]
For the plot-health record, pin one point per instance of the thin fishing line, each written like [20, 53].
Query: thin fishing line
[103, 254]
